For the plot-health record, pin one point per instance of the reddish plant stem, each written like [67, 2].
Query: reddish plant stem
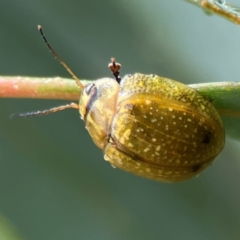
[222, 94]
[43, 88]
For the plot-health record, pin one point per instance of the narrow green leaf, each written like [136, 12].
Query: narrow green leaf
[225, 96]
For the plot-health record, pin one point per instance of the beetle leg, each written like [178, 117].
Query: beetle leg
[110, 140]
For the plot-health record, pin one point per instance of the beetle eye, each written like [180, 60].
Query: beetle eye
[91, 92]
[89, 88]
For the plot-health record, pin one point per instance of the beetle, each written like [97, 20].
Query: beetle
[148, 125]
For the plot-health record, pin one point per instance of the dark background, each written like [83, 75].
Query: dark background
[54, 183]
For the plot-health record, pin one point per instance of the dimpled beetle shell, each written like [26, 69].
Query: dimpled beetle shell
[152, 126]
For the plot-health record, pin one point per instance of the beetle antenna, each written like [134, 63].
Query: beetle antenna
[78, 82]
[45, 112]
[115, 68]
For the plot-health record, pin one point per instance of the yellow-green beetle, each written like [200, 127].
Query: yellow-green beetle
[152, 126]
[148, 125]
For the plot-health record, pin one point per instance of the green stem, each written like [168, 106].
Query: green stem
[66, 89]
[224, 95]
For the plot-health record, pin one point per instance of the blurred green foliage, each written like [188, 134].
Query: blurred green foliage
[54, 183]
[7, 231]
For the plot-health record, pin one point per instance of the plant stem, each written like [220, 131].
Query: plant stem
[43, 88]
[224, 95]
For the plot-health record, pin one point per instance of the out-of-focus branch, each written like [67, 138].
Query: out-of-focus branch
[219, 7]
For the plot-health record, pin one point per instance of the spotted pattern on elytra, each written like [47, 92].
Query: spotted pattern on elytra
[159, 128]
[163, 129]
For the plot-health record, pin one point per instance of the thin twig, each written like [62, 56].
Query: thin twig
[219, 7]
